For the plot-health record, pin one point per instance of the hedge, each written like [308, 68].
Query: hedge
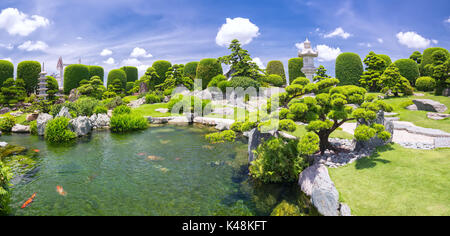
[408, 68]
[29, 72]
[132, 73]
[207, 69]
[6, 71]
[295, 66]
[427, 59]
[190, 70]
[349, 68]
[96, 71]
[161, 67]
[117, 74]
[276, 68]
[73, 74]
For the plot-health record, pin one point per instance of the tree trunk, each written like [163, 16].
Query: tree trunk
[324, 142]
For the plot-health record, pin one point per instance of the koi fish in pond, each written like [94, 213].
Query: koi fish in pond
[155, 158]
[36, 150]
[60, 190]
[30, 200]
[141, 154]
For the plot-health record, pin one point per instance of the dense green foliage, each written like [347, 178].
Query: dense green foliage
[5, 177]
[221, 137]
[29, 72]
[53, 88]
[73, 75]
[321, 74]
[85, 106]
[12, 92]
[387, 60]
[276, 68]
[6, 71]
[57, 131]
[174, 78]
[96, 71]
[127, 122]
[439, 69]
[274, 80]
[131, 72]
[100, 110]
[92, 88]
[393, 82]
[428, 59]
[6, 123]
[416, 56]
[216, 80]
[375, 66]
[244, 82]
[190, 70]
[241, 64]
[122, 109]
[286, 209]
[153, 98]
[348, 68]
[188, 104]
[295, 66]
[161, 67]
[425, 84]
[408, 68]
[116, 74]
[208, 69]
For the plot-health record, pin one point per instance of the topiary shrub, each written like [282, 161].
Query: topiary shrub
[221, 137]
[428, 59]
[12, 92]
[425, 84]
[223, 85]
[29, 72]
[216, 80]
[275, 80]
[190, 70]
[117, 74]
[244, 82]
[349, 68]
[161, 67]
[131, 72]
[53, 88]
[152, 98]
[96, 71]
[208, 69]
[295, 66]
[57, 131]
[276, 68]
[73, 75]
[386, 59]
[127, 122]
[6, 71]
[6, 123]
[122, 109]
[408, 69]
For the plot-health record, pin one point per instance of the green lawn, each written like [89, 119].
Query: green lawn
[149, 110]
[20, 119]
[397, 181]
[301, 131]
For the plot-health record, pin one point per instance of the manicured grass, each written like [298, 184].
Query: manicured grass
[19, 119]
[397, 181]
[419, 118]
[301, 131]
[149, 110]
[132, 98]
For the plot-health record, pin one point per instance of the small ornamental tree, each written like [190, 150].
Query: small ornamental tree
[375, 66]
[161, 67]
[240, 61]
[174, 78]
[116, 87]
[29, 71]
[439, 69]
[96, 71]
[132, 73]
[416, 56]
[12, 92]
[190, 70]
[348, 68]
[208, 69]
[408, 69]
[276, 68]
[6, 71]
[93, 88]
[321, 74]
[73, 74]
[387, 60]
[427, 58]
[53, 88]
[117, 74]
[392, 82]
[295, 66]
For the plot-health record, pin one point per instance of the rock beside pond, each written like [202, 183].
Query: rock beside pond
[18, 128]
[4, 110]
[429, 105]
[100, 121]
[3, 144]
[64, 112]
[81, 125]
[31, 117]
[437, 116]
[41, 122]
[255, 137]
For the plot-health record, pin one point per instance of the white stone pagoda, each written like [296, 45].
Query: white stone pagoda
[308, 55]
[42, 94]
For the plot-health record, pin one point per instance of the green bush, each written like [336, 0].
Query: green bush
[425, 84]
[161, 67]
[100, 110]
[428, 59]
[112, 103]
[12, 92]
[122, 109]
[190, 70]
[295, 66]
[221, 137]
[236, 126]
[189, 102]
[276, 68]
[73, 75]
[247, 126]
[208, 69]
[5, 195]
[117, 74]
[97, 71]
[56, 108]
[152, 98]
[287, 125]
[127, 122]
[223, 85]
[86, 106]
[286, 209]
[57, 130]
[244, 82]
[29, 72]
[408, 69]
[6, 71]
[274, 80]
[33, 127]
[386, 59]
[349, 68]
[131, 72]
[216, 80]
[53, 88]
[6, 123]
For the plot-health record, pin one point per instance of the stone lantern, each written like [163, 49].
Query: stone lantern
[308, 55]
[42, 94]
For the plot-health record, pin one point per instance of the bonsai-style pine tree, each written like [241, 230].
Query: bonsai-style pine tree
[53, 88]
[12, 92]
[174, 77]
[417, 57]
[92, 88]
[321, 74]
[394, 83]
[440, 69]
[375, 66]
[240, 61]
[116, 87]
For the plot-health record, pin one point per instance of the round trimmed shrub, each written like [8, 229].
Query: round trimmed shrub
[152, 98]
[408, 68]
[276, 68]
[223, 85]
[96, 71]
[244, 82]
[208, 69]
[132, 73]
[117, 74]
[275, 80]
[57, 130]
[349, 68]
[161, 67]
[386, 58]
[6, 71]
[216, 80]
[427, 59]
[295, 66]
[425, 84]
[190, 70]
[29, 72]
[73, 75]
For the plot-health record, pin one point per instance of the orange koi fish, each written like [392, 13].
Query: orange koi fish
[36, 150]
[60, 190]
[29, 200]
[141, 154]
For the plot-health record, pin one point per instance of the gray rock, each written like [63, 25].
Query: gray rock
[223, 126]
[390, 114]
[162, 110]
[16, 114]
[345, 210]
[437, 116]
[412, 107]
[429, 105]
[420, 130]
[4, 110]
[137, 103]
[74, 95]
[3, 144]
[143, 88]
[18, 128]
[64, 112]
[41, 122]
[446, 92]
[223, 111]
[375, 141]
[442, 142]
[100, 121]
[81, 125]
[255, 137]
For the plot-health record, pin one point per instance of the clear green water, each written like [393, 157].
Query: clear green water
[111, 174]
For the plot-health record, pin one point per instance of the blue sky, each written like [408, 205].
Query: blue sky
[138, 32]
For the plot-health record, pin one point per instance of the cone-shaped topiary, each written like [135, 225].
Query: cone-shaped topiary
[29, 72]
[295, 66]
[349, 68]
[73, 74]
[6, 71]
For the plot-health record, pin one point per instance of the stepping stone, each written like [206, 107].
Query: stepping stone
[437, 116]
[412, 107]
[442, 142]
[429, 105]
[162, 110]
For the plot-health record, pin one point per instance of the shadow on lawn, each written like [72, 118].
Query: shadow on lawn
[373, 160]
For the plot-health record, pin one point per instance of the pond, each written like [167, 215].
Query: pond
[161, 171]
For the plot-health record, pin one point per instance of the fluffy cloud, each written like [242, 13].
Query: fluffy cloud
[327, 53]
[105, 52]
[380, 40]
[238, 28]
[136, 63]
[448, 20]
[434, 41]
[7, 46]
[338, 32]
[365, 44]
[19, 23]
[140, 52]
[33, 46]
[258, 62]
[412, 40]
[300, 46]
[110, 61]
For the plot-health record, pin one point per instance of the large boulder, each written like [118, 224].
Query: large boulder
[64, 112]
[100, 121]
[255, 138]
[375, 142]
[18, 128]
[74, 95]
[437, 116]
[429, 105]
[41, 122]
[81, 125]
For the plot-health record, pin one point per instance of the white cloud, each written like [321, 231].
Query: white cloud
[448, 20]
[300, 46]
[142, 68]
[258, 62]
[380, 40]
[140, 52]
[105, 52]
[434, 41]
[238, 28]
[33, 46]
[79, 38]
[7, 46]
[327, 53]
[365, 44]
[110, 61]
[19, 23]
[338, 32]
[412, 40]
